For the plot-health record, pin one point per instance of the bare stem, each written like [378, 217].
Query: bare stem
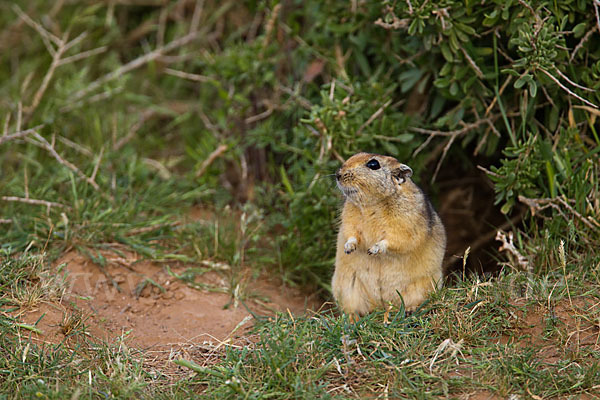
[138, 62]
[33, 201]
[566, 89]
[18, 135]
[211, 158]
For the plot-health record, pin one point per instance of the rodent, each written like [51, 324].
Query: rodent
[390, 241]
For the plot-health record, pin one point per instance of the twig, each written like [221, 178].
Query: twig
[5, 221]
[260, 116]
[508, 245]
[163, 171]
[596, 4]
[536, 205]
[95, 171]
[187, 75]
[582, 42]
[34, 201]
[396, 23]
[92, 99]
[374, 116]
[472, 63]
[566, 78]
[548, 97]
[82, 55]
[487, 171]
[6, 124]
[196, 16]
[26, 181]
[446, 148]
[562, 200]
[566, 89]
[136, 127]
[151, 228]
[301, 100]
[270, 25]
[531, 10]
[423, 145]
[19, 115]
[162, 26]
[43, 32]
[44, 85]
[502, 88]
[76, 146]
[456, 132]
[211, 158]
[18, 135]
[138, 62]
[43, 143]
[490, 235]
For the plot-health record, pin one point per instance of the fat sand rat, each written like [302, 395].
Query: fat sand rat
[391, 242]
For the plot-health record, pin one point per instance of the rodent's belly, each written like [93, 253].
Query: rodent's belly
[365, 282]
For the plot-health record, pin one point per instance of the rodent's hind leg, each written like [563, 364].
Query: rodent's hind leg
[353, 318]
[416, 292]
[386, 315]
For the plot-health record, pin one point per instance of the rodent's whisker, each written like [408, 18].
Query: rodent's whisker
[324, 176]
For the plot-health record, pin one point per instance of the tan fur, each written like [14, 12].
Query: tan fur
[388, 215]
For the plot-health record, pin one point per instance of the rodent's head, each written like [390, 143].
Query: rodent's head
[368, 178]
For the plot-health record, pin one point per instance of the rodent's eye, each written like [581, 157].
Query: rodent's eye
[373, 164]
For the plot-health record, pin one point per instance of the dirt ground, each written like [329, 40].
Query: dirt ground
[157, 315]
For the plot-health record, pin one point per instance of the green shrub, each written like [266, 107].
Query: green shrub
[303, 85]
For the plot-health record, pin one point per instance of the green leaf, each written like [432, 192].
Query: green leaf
[507, 206]
[579, 29]
[446, 52]
[532, 88]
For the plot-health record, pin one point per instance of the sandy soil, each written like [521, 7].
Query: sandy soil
[151, 318]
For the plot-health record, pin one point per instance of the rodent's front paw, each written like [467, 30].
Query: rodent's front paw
[378, 248]
[350, 245]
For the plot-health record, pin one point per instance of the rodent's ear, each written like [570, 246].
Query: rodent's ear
[402, 173]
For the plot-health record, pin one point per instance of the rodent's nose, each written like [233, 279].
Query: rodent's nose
[338, 175]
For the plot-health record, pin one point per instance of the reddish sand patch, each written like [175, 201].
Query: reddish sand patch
[577, 318]
[151, 317]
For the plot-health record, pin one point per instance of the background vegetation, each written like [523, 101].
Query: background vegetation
[120, 116]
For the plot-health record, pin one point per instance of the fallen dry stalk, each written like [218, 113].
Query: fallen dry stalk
[508, 245]
[33, 201]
